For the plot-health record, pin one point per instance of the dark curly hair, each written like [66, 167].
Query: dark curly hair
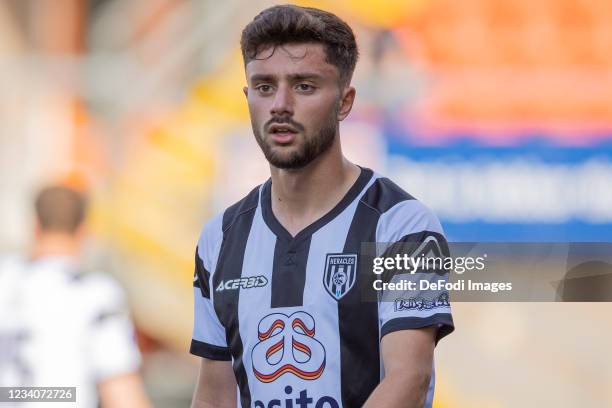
[288, 23]
[60, 209]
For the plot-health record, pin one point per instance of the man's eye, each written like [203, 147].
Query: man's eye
[305, 87]
[264, 88]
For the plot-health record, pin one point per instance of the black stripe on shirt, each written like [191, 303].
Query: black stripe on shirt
[408, 245]
[443, 321]
[358, 309]
[202, 276]
[210, 351]
[289, 272]
[384, 194]
[237, 222]
[358, 319]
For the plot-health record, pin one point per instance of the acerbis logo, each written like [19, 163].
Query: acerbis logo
[303, 401]
[287, 345]
[244, 283]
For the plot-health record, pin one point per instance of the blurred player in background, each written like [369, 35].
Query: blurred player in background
[60, 326]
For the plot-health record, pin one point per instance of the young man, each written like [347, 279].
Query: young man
[280, 316]
[60, 327]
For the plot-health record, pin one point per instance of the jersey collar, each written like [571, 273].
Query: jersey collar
[277, 228]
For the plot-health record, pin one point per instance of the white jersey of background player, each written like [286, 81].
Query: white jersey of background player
[61, 327]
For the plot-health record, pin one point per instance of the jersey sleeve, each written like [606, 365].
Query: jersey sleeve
[113, 347]
[409, 228]
[208, 339]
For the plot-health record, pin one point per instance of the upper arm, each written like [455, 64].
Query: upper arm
[208, 339]
[409, 352]
[216, 386]
[408, 362]
[209, 336]
[413, 230]
[114, 354]
[111, 338]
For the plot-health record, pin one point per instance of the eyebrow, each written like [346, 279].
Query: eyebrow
[293, 77]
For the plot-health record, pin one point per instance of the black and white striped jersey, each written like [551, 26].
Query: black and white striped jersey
[290, 312]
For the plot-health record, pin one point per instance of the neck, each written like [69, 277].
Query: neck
[55, 244]
[299, 197]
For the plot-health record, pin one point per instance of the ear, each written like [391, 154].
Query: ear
[246, 91]
[346, 102]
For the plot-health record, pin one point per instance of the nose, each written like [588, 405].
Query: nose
[283, 102]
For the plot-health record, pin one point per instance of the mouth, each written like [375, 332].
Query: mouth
[282, 134]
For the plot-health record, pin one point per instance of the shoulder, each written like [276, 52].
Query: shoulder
[243, 207]
[400, 213]
[102, 286]
[383, 194]
[88, 294]
[213, 230]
